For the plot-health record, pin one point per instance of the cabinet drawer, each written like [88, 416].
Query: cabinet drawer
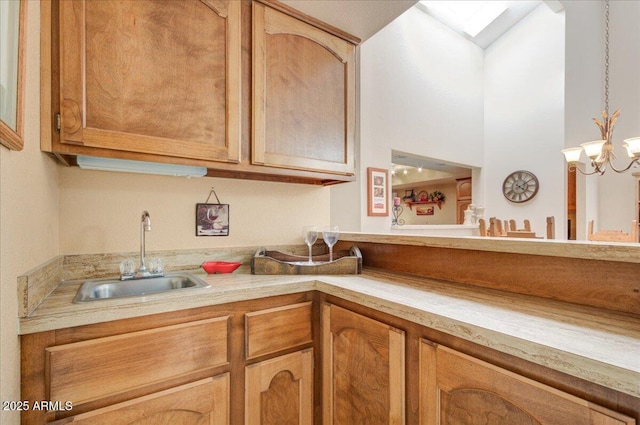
[204, 402]
[276, 329]
[87, 370]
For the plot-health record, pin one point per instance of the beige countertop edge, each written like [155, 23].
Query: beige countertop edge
[606, 251]
[439, 308]
[600, 372]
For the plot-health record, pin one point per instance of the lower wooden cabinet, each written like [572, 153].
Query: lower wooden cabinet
[205, 402]
[279, 391]
[252, 362]
[363, 369]
[457, 389]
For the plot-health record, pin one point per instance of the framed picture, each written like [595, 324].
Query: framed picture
[377, 192]
[212, 219]
[425, 211]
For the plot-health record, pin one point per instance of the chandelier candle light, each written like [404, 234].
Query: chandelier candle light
[600, 152]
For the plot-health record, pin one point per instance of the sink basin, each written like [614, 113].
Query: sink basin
[100, 289]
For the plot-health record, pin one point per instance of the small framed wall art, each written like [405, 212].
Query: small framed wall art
[425, 211]
[377, 192]
[212, 219]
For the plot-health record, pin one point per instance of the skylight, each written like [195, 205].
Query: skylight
[470, 17]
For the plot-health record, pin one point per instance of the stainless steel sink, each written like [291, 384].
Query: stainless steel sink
[100, 289]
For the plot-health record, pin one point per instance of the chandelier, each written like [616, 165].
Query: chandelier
[600, 152]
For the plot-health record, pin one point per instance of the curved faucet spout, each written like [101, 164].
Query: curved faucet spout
[145, 226]
[146, 221]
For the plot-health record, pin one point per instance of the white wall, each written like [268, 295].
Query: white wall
[428, 91]
[421, 92]
[608, 199]
[524, 118]
[583, 98]
[616, 192]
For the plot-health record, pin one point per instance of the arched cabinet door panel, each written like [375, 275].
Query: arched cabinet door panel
[280, 391]
[457, 389]
[303, 95]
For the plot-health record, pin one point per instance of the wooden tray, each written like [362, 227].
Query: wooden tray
[274, 262]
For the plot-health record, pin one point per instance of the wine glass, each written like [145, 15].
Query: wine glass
[330, 236]
[310, 235]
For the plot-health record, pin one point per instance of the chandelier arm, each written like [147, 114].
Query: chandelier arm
[599, 166]
[633, 161]
[575, 167]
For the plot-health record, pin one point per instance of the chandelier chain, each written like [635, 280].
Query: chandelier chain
[606, 56]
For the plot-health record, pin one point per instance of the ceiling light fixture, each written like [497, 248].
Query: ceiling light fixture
[600, 152]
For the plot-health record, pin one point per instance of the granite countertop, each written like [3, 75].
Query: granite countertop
[593, 344]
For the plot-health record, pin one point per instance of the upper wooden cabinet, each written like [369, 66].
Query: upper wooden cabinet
[153, 77]
[303, 95]
[171, 81]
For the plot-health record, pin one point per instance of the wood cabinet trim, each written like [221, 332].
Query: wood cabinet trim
[282, 7]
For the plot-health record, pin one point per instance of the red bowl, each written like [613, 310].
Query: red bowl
[220, 266]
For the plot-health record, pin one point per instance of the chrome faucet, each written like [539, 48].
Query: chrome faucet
[145, 226]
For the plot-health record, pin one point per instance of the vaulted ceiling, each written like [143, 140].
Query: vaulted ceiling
[362, 18]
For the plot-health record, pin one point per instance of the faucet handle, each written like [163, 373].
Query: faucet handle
[127, 267]
[156, 265]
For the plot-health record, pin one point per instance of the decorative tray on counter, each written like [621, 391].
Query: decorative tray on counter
[275, 262]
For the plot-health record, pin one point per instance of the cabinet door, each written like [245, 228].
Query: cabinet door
[204, 402]
[303, 95]
[456, 389]
[280, 391]
[463, 189]
[461, 207]
[156, 77]
[363, 369]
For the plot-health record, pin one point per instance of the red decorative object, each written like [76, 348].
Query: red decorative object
[212, 267]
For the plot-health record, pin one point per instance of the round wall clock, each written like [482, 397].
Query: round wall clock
[520, 186]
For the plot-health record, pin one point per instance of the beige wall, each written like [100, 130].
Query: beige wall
[446, 214]
[28, 218]
[47, 210]
[100, 211]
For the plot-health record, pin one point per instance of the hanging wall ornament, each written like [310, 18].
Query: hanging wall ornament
[212, 219]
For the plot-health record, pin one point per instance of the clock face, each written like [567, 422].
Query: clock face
[520, 186]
